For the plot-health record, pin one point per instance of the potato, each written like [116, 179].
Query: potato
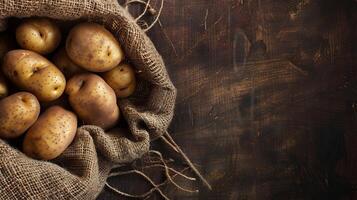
[93, 100]
[121, 79]
[51, 134]
[17, 113]
[34, 73]
[94, 48]
[38, 34]
[3, 87]
[64, 63]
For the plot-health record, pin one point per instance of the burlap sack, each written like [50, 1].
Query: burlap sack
[81, 171]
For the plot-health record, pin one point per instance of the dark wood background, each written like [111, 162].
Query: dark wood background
[267, 96]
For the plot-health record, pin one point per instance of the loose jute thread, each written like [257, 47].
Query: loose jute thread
[148, 9]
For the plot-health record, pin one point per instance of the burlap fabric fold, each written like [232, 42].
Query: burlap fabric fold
[81, 171]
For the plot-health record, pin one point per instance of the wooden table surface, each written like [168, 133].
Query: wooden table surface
[267, 96]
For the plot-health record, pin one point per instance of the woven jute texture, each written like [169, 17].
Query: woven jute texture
[81, 171]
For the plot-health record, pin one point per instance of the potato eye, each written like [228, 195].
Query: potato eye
[108, 51]
[81, 83]
[15, 73]
[35, 69]
[23, 99]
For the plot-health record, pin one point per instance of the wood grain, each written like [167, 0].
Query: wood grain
[267, 96]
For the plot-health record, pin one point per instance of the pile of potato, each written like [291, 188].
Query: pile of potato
[38, 77]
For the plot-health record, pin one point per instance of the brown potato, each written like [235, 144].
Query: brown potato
[3, 87]
[35, 74]
[64, 63]
[38, 34]
[17, 113]
[93, 100]
[52, 133]
[121, 79]
[93, 47]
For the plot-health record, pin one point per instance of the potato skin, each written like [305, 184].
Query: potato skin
[35, 74]
[17, 113]
[93, 47]
[52, 133]
[3, 87]
[93, 100]
[38, 34]
[65, 64]
[122, 80]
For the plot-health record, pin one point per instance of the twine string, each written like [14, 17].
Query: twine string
[148, 9]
